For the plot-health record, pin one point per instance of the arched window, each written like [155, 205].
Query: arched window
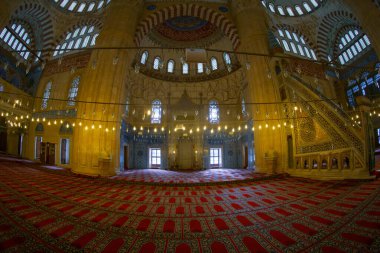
[227, 58]
[1, 88]
[21, 42]
[144, 57]
[199, 68]
[295, 44]
[171, 64]
[81, 5]
[185, 68]
[82, 37]
[127, 106]
[214, 63]
[156, 63]
[46, 95]
[156, 112]
[213, 112]
[243, 108]
[352, 44]
[307, 6]
[73, 92]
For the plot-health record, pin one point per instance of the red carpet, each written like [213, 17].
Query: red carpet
[54, 211]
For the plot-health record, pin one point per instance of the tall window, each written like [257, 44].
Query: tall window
[144, 57]
[19, 42]
[215, 157]
[156, 112]
[46, 96]
[73, 92]
[214, 63]
[171, 66]
[154, 158]
[185, 68]
[199, 68]
[227, 58]
[1, 88]
[82, 37]
[378, 136]
[156, 63]
[307, 7]
[295, 44]
[351, 45]
[243, 109]
[127, 106]
[213, 112]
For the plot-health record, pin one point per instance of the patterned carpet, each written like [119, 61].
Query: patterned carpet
[188, 177]
[42, 211]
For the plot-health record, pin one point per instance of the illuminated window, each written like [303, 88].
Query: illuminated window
[154, 158]
[80, 38]
[213, 112]
[156, 112]
[46, 96]
[82, 5]
[171, 64]
[200, 68]
[215, 157]
[295, 44]
[1, 88]
[156, 63]
[185, 68]
[307, 6]
[243, 108]
[144, 57]
[227, 59]
[351, 45]
[20, 43]
[214, 63]
[73, 92]
[127, 106]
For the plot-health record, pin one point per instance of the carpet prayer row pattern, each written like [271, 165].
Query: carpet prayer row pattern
[206, 176]
[51, 212]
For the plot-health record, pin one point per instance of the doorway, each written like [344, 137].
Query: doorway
[37, 147]
[65, 151]
[245, 161]
[125, 157]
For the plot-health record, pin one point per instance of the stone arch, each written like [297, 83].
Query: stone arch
[328, 28]
[219, 20]
[340, 33]
[40, 20]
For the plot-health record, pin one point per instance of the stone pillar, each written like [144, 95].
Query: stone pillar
[368, 15]
[364, 106]
[97, 151]
[253, 31]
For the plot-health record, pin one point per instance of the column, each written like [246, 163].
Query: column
[250, 21]
[97, 151]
